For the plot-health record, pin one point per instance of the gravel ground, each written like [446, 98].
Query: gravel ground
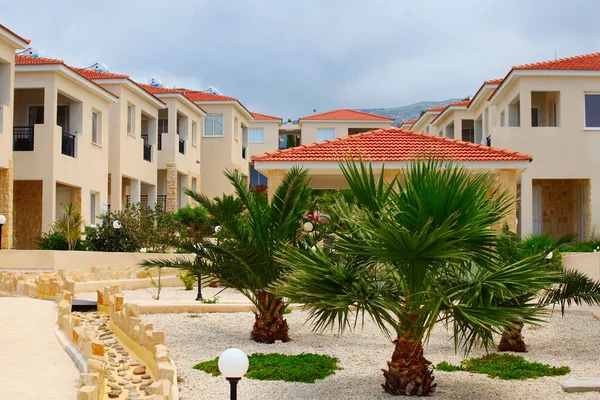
[572, 341]
[174, 293]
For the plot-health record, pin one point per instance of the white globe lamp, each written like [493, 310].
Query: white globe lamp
[233, 364]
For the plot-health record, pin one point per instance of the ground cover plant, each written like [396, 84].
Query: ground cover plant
[304, 367]
[504, 366]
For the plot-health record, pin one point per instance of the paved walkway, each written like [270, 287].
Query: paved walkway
[33, 365]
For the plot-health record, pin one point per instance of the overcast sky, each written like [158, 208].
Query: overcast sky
[286, 58]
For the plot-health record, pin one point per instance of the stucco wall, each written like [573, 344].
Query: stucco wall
[310, 128]
[7, 60]
[271, 138]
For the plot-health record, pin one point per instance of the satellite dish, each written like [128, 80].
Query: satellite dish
[212, 90]
[99, 67]
[32, 51]
[155, 82]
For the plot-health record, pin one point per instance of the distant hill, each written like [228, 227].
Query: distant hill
[404, 113]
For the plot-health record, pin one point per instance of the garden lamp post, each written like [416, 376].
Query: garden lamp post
[117, 226]
[2, 222]
[233, 364]
[308, 226]
[199, 295]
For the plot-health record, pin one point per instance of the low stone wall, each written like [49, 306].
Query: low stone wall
[80, 262]
[588, 263]
[142, 339]
[35, 284]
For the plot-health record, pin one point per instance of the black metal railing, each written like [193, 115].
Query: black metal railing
[148, 152]
[144, 200]
[23, 138]
[182, 146]
[159, 142]
[244, 153]
[161, 201]
[68, 144]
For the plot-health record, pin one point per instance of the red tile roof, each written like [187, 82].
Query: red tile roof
[31, 60]
[20, 37]
[493, 81]
[196, 95]
[159, 89]
[461, 103]
[345, 114]
[409, 122]
[391, 144]
[438, 108]
[93, 74]
[586, 62]
[264, 117]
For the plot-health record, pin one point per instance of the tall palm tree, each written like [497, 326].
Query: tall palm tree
[401, 260]
[570, 286]
[246, 256]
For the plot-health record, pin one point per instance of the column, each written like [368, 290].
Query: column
[507, 182]
[48, 204]
[116, 192]
[275, 177]
[6, 204]
[526, 217]
[172, 186]
[151, 191]
[135, 190]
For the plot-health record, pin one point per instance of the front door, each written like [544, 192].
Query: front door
[63, 197]
[537, 211]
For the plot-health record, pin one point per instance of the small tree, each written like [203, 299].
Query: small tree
[69, 225]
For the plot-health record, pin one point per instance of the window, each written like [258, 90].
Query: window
[129, 119]
[163, 125]
[554, 115]
[92, 208]
[236, 134]
[194, 185]
[325, 134]
[194, 130]
[535, 117]
[592, 110]
[95, 128]
[257, 135]
[213, 125]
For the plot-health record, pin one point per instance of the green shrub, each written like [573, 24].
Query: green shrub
[304, 367]
[188, 280]
[55, 241]
[214, 300]
[504, 366]
[195, 220]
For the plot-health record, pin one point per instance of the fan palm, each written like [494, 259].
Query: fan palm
[245, 258]
[569, 286]
[402, 262]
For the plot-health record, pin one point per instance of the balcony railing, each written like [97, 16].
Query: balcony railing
[182, 146]
[144, 200]
[68, 144]
[148, 152]
[161, 201]
[244, 153]
[23, 138]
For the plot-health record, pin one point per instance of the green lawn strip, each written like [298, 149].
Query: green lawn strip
[504, 366]
[304, 367]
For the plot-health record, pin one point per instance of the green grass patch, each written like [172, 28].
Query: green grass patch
[214, 300]
[504, 366]
[304, 367]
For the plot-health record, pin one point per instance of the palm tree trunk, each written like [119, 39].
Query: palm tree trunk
[408, 373]
[512, 340]
[269, 324]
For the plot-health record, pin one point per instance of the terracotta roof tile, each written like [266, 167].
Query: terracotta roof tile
[493, 81]
[31, 60]
[345, 114]
[461, 103]
[264, 117]
[196, 95]
[391, 144]
[20, 37]
[409, 122]
[93, 74]
[586, 62]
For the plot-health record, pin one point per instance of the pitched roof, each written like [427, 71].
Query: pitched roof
[437, 108]
[264, 117]
[12, 33]
[586, 62]
[196, 95]
[409, 122]
[391, 144]
[345, 114]
[461, 103]
[496, 81]
[93, 74]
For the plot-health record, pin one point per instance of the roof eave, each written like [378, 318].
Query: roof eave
[234, 103]
[135, 87]
[183, 98]
[15, 40]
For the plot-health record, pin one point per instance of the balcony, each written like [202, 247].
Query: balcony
[244, 153]
[23, 138]
[182, 146]
[147, 149]
[68, 144]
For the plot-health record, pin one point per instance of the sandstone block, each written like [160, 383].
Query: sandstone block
[98, 348]
[87, 393]
[165, 371]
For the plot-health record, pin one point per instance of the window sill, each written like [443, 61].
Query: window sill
[97, 145]
[214, 136]
[256, 142]
[591, 129]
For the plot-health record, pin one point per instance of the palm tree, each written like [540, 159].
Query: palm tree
[568, 287]
[69, 225]
[246, 256]
[401, 261]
